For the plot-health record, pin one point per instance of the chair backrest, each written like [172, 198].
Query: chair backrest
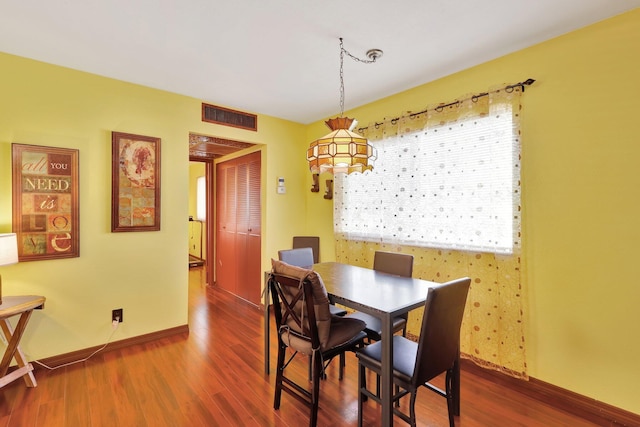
[301, 305]
[300, 257]
[439, 341]
[393, 263]
[312, 242]
[293, 310]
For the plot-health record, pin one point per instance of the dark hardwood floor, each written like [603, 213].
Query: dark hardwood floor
[214, 376]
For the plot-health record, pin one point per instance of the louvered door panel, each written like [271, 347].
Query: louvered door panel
[241, 212]
[242, 231]
[242, 199]
[251, 274]
[226, 200]
[255, 207]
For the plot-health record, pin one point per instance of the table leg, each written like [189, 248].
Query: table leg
[266, 323]
[387, 371]
[13, 351]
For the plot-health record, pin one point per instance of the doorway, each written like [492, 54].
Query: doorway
[205, 150]
[197, 214]
[201, 215]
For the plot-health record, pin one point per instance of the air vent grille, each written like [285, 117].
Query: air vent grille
[225, 116]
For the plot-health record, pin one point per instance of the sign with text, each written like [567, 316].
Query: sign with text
[45, 202]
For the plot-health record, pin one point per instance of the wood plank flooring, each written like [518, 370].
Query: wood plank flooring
[214, 376]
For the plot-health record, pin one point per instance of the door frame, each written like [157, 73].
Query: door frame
[210, 212]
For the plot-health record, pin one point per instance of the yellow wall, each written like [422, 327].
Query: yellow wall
[145, 273]
[580, 181]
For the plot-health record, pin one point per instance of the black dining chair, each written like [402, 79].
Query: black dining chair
[303, 257]
[304, 324]
[300, 257]
[415, 364]
[391, 263]
[312, 242]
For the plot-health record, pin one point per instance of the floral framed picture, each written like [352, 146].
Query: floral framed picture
[45, 185]
[135, 183]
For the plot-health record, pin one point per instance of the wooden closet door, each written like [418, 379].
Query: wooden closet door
[249, 275]
[239, 227]
[226, 202]
[242, 231]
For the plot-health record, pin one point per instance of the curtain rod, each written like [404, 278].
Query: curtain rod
[474, 98]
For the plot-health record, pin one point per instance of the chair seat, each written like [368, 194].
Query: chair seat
[345, 332]
[405, 352]
[337, 311]
[373, 326]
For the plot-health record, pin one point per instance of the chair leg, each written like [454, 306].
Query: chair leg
[279, 375]
[343, 363]
[397, 388]
[323, 374]
[315, 391]
[362, 383]
[412, 408]
[449, 396]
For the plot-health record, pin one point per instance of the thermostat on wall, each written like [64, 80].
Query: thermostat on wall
[281, 187]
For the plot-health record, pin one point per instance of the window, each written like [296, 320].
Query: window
[453, 185]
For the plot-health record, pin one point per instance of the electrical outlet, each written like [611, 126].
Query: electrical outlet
[116, 315]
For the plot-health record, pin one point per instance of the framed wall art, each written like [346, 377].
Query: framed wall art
[45, 202]
[135, 183]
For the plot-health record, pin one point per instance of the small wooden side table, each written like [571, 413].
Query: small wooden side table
[12, 306]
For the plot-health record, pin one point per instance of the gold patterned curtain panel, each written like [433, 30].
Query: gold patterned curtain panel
[457, 212]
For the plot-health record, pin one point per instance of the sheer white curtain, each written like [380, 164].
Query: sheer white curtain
[441, 180]
[446, 188]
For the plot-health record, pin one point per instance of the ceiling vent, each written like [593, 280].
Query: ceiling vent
[227, 117]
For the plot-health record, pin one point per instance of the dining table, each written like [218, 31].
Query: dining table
[379, 294]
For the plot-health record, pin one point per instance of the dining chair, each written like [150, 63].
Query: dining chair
[391, 263]
[300, 257]
[312, 242]
[415, 364]
[305, 325]
[305, 256]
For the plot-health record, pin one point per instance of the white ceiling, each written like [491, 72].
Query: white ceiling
[281, 57]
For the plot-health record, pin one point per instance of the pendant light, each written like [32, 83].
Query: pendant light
[342, 150]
